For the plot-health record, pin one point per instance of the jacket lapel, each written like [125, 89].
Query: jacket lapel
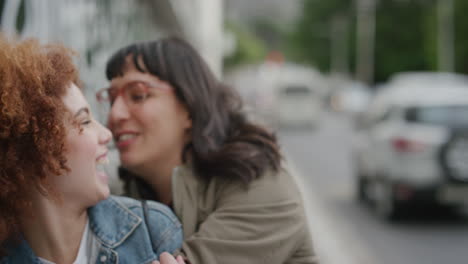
[112, 231]
[185, 191]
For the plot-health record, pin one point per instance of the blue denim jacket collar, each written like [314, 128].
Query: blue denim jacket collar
[104, 227]
[110, 231]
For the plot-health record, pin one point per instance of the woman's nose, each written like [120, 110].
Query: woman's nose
[118, 112]
[105, 136]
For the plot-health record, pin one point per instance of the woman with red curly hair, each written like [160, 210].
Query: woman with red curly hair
[54, 198]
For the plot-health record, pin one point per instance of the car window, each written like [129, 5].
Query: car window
[451, 116]
[298, 90]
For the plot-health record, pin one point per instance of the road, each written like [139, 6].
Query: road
[346, 231]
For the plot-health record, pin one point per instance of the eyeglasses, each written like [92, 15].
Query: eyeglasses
[133, 93]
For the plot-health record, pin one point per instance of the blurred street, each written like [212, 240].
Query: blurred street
[349, 231]
[399, 67]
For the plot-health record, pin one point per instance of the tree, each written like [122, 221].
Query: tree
[403, 38]
[249, 48]
[310, 42]
[461, 38]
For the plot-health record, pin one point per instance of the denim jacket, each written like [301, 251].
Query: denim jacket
[124, 236]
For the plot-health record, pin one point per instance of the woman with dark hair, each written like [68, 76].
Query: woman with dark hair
[184, 141]
[54, 199]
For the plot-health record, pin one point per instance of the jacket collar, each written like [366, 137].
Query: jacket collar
[185, 197]
[112, 222]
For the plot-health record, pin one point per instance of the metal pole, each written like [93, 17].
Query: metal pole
[365, 40]
[445, 36]
[339, 44]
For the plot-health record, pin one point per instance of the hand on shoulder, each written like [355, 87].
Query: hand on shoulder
[166, 258]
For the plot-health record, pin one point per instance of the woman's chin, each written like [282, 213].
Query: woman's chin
[103, 194]
[103, 189]
[106, 193]
[128, 161]
[102, 177]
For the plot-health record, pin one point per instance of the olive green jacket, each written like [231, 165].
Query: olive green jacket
[227, 222]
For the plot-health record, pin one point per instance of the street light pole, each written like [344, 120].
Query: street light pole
[365, 40]
[445, 36]
[339, 44]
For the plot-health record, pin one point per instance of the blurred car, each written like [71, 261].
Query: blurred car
[298, 105]
[351, 99]
[280, 94]
[299, 93]
[412, 148]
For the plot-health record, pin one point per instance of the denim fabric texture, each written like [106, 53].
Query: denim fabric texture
[124, 236]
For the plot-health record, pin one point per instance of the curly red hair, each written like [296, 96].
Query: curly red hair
[33, 79]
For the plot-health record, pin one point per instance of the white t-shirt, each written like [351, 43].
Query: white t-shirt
[87, 253]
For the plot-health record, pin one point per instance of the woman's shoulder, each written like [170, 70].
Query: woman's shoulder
[272, 186]
[127, 211]
[136, 207]
[128, 216]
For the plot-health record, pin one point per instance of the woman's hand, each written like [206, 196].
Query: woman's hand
[166, 258]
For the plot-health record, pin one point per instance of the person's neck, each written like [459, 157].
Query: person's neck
[54, 232]
[159, 177]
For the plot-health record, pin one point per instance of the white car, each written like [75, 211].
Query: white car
[412, 147]
[299, 93]
[298, 105]
[283, 94]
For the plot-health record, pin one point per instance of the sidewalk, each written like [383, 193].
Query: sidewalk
[333, 243]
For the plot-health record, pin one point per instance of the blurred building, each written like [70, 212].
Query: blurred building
[278, 10]
[97, 28]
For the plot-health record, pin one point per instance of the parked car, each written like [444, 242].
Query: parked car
[299, 96]
[412, 148]
[351, 99]
[280, 94]
[298, 106]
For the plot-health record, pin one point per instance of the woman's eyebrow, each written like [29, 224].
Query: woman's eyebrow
[82, 110]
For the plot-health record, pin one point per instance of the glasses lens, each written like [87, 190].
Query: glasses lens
[136, 92]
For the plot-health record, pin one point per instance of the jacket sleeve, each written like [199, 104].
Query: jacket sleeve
[265, 223]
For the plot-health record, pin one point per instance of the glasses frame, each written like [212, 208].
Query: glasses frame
[101, 97]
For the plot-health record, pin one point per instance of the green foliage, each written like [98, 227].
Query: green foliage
[249, 48]
[406, 35]
[2, 5]
[461, 36]
[270, 32]
[430, 38]
[400, 38]
[310, 41]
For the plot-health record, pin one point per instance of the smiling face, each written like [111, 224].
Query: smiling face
[150, 133]
[86, 151]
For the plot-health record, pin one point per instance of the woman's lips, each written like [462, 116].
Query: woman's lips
[125, 143]
[101, 161]
[125, 140]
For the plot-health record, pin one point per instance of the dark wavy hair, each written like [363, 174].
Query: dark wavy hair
[33, 79]
[224, 143]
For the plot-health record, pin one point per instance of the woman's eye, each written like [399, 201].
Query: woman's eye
[138, 97]
[86, 122]
[136, 92]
